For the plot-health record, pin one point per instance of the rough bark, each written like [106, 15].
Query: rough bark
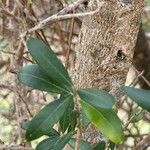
[106, 45]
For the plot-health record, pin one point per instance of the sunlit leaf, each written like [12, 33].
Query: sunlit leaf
[105, 120]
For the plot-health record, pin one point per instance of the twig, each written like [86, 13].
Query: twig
[135, 81]
[129, 121]
[69, 43]
[142, 145]
[27, 107]
[59, 17]
[14, 147]
[147, 82]
[62, 15]
[71, 7]
[78, 135]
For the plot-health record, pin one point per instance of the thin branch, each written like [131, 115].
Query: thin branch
[59, 17]
[71, 7]
[16, 147]
[77, 107]
[145, 143]
[62, 15]
[69, 43]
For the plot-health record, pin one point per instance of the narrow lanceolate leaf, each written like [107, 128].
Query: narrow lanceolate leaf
[42, 123]
[84, 120]
[47, 144]
[105, 120]
[65, 119]
[98, 98]
[68, 120]
[62, 141]
[140, 96]
[33, 76]
[52, 132]
[83, 144]
[48, 61]
[73, 121]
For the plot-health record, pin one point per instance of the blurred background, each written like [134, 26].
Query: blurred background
[18, 103]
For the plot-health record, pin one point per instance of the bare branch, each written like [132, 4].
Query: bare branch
[62, 15]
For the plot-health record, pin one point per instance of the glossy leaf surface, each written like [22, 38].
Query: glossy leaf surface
[35, 77]
[98, 98]
[48, 61]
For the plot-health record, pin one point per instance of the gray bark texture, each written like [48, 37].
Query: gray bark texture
[106, 45]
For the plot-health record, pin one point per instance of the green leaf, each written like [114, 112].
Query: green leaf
[98, 98]
[33, 76]
[112, 145]
[83, 145]
[65, 119]
[52, 132]
[106, 121]
[84, 119]
[48, 61]
[47, 144]
[100, 146]
[42, 123]
[61, 142]
[140, 96]
[73, 121]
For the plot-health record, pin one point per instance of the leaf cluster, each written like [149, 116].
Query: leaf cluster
[49, 74]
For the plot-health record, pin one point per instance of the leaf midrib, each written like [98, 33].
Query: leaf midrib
[66, 137]
[102, 117]
[45, 120]
[53, 66]
[96, 97]
[26, 74]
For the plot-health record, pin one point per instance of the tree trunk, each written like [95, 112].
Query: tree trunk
[106, 45]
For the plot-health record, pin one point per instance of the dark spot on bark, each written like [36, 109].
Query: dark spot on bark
[120, 55]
